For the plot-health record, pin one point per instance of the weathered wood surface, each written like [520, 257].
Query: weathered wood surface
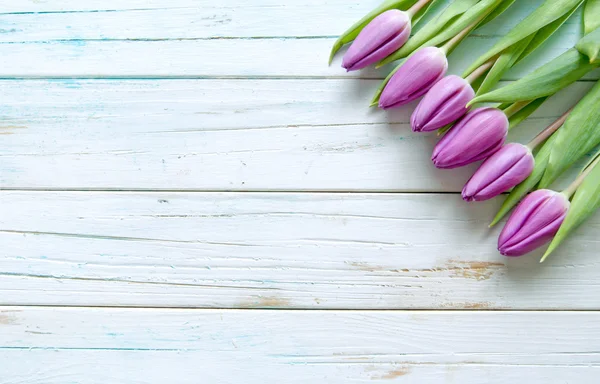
[223, 135]
[278, 250]
[92, 345]
[159, 154]
[210, 39]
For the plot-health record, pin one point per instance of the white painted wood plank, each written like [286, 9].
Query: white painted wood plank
[188, 367]
[93, 6]
[278, 250]
[85, 345]
[201, 19]
[33, 6]
[187, 41]
[190, 19]
[214, 58]
[222, 135]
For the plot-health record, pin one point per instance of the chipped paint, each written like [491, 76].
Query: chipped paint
[7, 319]
[366, 266]
[476, 270]
[393, 374]
[482, 305]
[265, 302]
[8, 129]
[470, 305]
[347, 357]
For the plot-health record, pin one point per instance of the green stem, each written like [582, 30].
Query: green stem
[412, 11]
[575, 184]
[480, 70]
[453, 42]
[516, 107]
[547, 132]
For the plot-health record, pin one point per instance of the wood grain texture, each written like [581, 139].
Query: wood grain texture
[151, 346]
[176, 19]
[204, 39]
[278, 250]
[223, 135]
[124, 123]
[203, 19]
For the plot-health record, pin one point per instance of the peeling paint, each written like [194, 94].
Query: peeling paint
[394, 374]
[366, 266]
[7, 129]
[477, 270]
[265, 302]
[7, 319]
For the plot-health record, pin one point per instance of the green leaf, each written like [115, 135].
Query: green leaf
[416, 18]
[589, 45]
[591, 15]
[506, 60]
[543, 34]
[517, 52]
[355, 29]
[445, 128]
[524, 113]
[518, 192]
[496, 12]
[548, 12]
[578, 136]
[594, 158]
[544, 81]
[477, 12]
[447, 17]
[585, 202]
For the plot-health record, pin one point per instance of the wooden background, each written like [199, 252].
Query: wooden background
[189, 194]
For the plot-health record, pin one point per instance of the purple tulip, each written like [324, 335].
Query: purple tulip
[414, 77]
[445, 102]
[380, 38]
[479, 134]
[506, 168]
[535, 222]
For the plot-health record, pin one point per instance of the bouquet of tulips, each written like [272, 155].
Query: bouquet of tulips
[473, 132]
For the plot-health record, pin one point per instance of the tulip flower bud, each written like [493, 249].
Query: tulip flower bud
[381, 37]
[445, 102]
[506, 168]
[414, 77]
[534, 223]
[478, 135]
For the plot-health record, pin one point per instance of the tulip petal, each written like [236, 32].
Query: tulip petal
[541, 161]
[585, 202]
[457, 16]
[512, 177]
[382, 36]
[499, 173]
[414, 78]
[381, 51]
[535, 241]
[521, 214]
[543, 215]
[352, 32]
[535, 221]
[479, 134]
[444, 103]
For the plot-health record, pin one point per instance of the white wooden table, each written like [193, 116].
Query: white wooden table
[191, 195]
